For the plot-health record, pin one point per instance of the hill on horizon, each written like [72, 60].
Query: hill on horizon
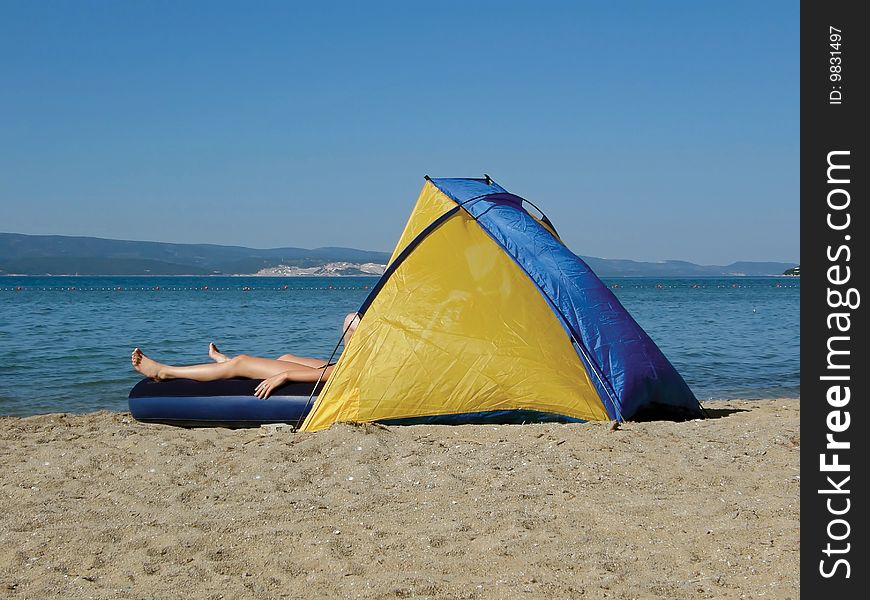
[22, 254]
[67, 255]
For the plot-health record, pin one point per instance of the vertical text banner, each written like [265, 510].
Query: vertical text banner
[835, 167]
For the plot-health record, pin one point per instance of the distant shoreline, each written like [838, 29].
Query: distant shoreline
[22, 254]
[198, 276]
[732, 276]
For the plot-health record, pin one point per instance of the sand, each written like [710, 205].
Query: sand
[101, 506]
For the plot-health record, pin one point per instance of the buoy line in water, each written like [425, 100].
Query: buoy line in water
[696, 286]
[330, 288]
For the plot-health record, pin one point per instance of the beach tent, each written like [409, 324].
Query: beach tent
[484, 315]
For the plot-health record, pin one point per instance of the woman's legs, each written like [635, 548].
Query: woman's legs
[311, 363]
[314, 363]
[240, 366]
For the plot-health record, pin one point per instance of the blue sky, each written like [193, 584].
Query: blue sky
[645, 130]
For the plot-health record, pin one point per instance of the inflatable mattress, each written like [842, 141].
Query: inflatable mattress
[225, 403]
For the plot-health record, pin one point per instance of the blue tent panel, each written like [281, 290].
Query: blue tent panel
[631, 370]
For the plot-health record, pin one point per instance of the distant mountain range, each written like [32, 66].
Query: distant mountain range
[65, 255]
[608, 267]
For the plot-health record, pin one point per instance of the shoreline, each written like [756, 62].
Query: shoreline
[196, 276]
[99, 505]
[730, 276]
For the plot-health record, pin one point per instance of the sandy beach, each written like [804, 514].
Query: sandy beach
[101, 506]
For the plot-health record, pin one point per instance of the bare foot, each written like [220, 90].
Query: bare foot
[215, 354]
[146, 366]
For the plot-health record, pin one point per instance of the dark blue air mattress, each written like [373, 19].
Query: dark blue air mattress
[225, 403]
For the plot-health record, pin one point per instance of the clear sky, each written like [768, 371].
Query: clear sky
[645, 130]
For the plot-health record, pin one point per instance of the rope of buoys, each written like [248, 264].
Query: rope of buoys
[286, 287]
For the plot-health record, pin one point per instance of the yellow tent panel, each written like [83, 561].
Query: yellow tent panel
[457, 329]
[431, 204]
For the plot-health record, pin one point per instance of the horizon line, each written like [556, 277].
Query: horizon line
[95, 237]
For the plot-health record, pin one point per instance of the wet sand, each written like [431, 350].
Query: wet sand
[101, 506]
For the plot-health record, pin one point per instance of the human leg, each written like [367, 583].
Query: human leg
[312, 363]
[239, 366]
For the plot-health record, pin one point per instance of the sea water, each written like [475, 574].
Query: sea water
[65, 342]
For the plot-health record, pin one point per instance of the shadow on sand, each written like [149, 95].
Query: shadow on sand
[719, 413]
[660, 413]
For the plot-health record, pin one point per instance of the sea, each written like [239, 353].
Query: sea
[65, 342]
